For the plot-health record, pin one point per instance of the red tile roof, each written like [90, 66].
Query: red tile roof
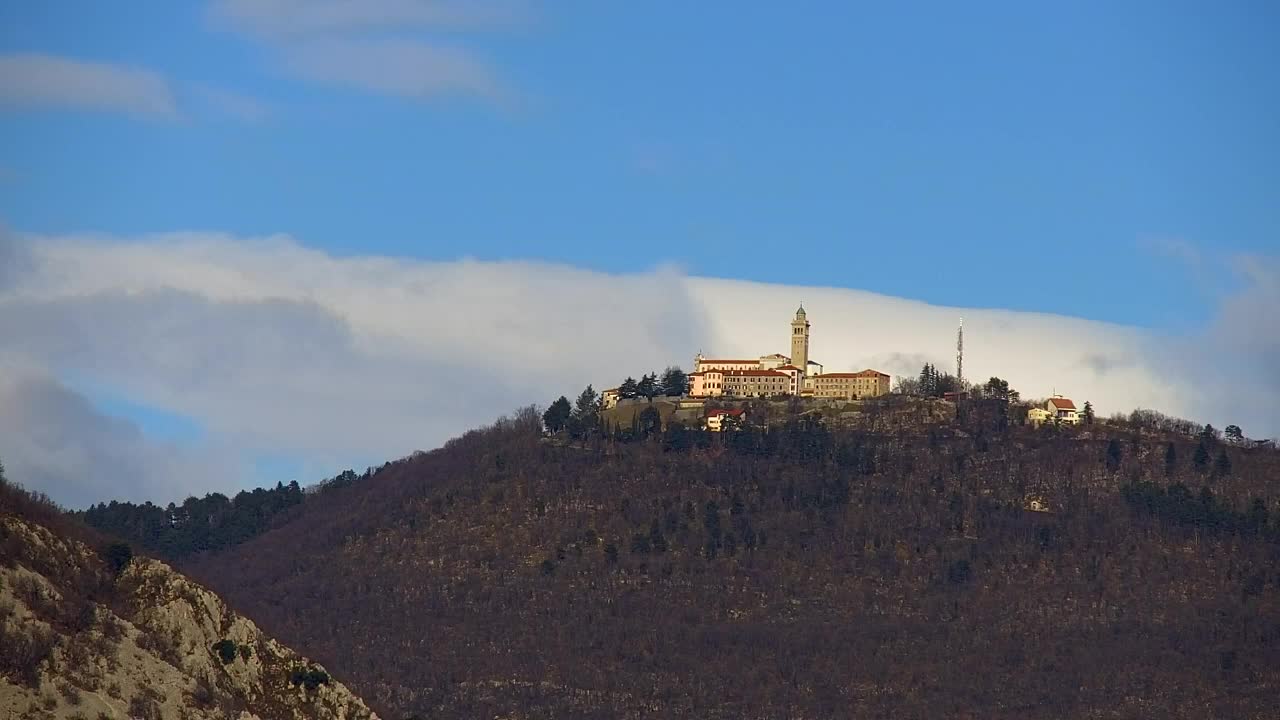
[755, 373]
[1062, 403]
[788, 367]
[705, 361]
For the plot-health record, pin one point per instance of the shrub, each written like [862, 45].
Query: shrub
[144, 708]
[71, 694]
[118, 556]
[25, 650]
[226, 649]
[309, 677]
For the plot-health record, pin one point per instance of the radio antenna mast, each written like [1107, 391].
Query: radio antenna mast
[960, 355]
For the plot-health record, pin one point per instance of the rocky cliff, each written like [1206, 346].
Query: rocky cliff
[94, 633]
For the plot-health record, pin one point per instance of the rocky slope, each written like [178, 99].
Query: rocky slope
[89, 634]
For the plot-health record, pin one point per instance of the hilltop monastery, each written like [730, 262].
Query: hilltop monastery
[778, 374]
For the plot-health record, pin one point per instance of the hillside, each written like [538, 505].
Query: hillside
[88, 631]
[887, 568]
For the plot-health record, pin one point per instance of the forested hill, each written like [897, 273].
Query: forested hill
[213, 522]
[797, 572]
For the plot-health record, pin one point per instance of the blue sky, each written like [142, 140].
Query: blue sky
[999, 141]
[1098, 161]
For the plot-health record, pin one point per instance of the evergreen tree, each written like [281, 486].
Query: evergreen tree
[648, 386]
[650, 422]
[1201, 458]
[928, 380]
[1114, 455]
[999, 389]
[585, 419]
[1208, 435]
[1170, 459]
[557, 415]
[1222, 466]
[674, 382]
[1088, 413]
[1234, 434]
[628, 389]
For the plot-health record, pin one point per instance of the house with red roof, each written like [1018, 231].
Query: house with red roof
[716, 418]
[1056, 409]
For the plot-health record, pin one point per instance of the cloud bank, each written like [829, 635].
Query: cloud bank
[274, 347]
[55, 441]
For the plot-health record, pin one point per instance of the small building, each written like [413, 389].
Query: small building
[1056, 409]
[1062, 410]
[1037, 416]
[609, 398]
[715, 419]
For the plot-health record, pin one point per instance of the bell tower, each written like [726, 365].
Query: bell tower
[800, 341]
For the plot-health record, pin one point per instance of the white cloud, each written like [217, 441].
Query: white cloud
[275, 347]
[30, 80]
[276, 18]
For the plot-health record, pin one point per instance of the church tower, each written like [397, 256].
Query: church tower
[800, 341]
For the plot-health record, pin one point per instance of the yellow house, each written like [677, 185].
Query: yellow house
[609, 398]
[1036, 416]
[1056, 409]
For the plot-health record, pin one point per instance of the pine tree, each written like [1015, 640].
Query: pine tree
[1170, 459]
[557, 415]
[628, 389]
[1088, 413]
[585, 419]
[1201, 458]
[1222, 466]
[648, 386]
[674, 382]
